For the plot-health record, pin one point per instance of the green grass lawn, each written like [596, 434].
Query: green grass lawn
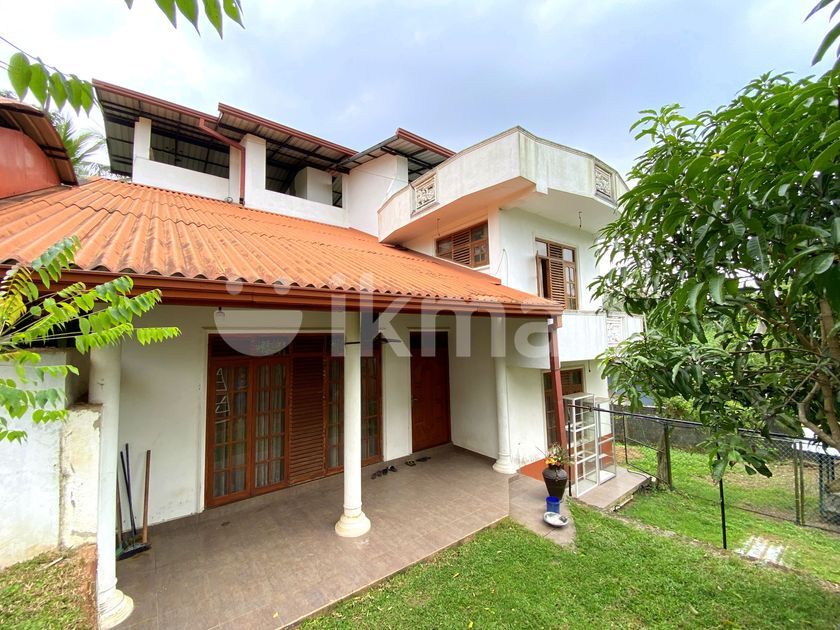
[43, 593]
[617, 576]
[698, 516]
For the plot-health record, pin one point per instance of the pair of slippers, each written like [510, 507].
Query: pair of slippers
[412, 462]
[384, 471]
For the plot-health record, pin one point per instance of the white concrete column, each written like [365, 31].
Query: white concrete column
[104, 390]
[353, 521]
[504, 464]
[255, 156]
[142, 147]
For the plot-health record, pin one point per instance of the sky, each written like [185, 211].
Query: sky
[455, 72]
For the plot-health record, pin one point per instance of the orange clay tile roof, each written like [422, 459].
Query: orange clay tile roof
[135, 229]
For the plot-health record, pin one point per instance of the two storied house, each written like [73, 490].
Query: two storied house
[338, 308]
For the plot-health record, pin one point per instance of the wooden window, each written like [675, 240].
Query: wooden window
[466, 247]
[557, 273]
[572, 381]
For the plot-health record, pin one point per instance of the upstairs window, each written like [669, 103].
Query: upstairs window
[557, 273]
[465, 247]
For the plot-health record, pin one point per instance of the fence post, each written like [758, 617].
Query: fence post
[626, 457]
[722, 513]
[663, 458]
[668, 429]
[796, 473]
[801, 487]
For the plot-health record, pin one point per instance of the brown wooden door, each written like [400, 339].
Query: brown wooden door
[429, 390]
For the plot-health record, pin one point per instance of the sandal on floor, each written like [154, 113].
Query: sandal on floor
[392, 468]
[384, 471]
[378, 473]
[410, 462]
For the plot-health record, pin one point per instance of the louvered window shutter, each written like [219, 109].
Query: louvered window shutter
[556, 284]
[461, 247]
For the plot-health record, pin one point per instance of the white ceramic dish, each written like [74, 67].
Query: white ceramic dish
[555, 520]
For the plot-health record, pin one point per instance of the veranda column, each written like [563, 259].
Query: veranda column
[498, 345]
[353, 521]
[503, 463]
[104, 390]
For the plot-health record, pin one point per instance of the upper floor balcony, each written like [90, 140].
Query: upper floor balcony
[548, 179]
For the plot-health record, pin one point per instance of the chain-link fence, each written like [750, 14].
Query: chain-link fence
[804, 487]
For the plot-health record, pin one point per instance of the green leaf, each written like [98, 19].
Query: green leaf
[693, 298]
[233, 9]
[737, 227]
[87, 98]
[826, 43]
[58, 90]
[19, 73]
[213, 10]
[168, 8]
[716, 289]
[38, 82]
[189, 9]
[817, 265]
[757, 250]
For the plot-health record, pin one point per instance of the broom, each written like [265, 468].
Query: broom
[134, 547]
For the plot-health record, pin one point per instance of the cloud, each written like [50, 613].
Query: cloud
[458, 72]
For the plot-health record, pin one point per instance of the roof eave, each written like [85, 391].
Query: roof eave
[202, 292]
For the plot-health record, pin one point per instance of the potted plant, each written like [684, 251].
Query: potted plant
[554, 474]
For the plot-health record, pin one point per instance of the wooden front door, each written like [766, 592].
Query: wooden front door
[429, 390]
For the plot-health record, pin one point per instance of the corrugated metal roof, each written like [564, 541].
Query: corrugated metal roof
[422, 155]
[36, 124]
[131, 228]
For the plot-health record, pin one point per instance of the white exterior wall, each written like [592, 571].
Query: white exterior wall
[370, 185]
[163, 399]
[256, 195]
[48, 483]
[519, 230]
[147, 171]
[314, 185]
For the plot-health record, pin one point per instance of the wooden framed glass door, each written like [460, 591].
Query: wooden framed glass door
[246, 429]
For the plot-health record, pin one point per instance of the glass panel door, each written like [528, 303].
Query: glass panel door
[230, 430]
[270, 422]
[335, 413]
[371, 408]
[606, 452]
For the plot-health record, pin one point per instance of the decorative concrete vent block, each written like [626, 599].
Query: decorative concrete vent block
[615, 330]
[603, 182]
[425, 193]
